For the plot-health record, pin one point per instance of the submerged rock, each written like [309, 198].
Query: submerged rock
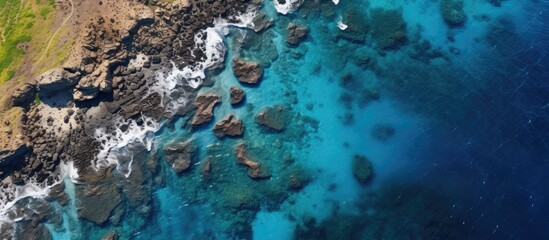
[255, 170]
[356, 26]
[247, 72]
[452, 12]
[111, 236]
[362, 169]
[181, 155]
[237, 95]
[272, 117]
[204, 105]
[388, 28]
[97, 203]
[382, 132]
[296, 34]
[228, 126]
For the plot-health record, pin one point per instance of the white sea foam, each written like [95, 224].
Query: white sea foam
[288, 6]
[341, 25]
[214, 49]
[69, 170]
[32, 189]
[114, 145]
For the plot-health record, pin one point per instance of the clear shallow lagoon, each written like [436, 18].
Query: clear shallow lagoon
[466, 156]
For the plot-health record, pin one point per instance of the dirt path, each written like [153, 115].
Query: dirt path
[3, 35]
[53, 36]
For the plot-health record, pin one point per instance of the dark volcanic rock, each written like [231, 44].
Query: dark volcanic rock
[296, 34]
[228, 126]
[181, 155]
[23, 96]
[204, 105]
[237, 95]
[97, 203]
[362, 169]
[247, 72]
[272, 117]
[255, 170]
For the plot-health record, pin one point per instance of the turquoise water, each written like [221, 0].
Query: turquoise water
[466, 158]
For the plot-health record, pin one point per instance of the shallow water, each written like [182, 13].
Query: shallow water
[467, 156]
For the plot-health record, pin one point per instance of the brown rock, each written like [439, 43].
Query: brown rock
[296, 34]
[204, 105]
[100, 80]
[181, 155]
[237, 95]
[255, 170]
[111, 236]
[206, 167]
[247, 72]
[272, 117]
[228, 126]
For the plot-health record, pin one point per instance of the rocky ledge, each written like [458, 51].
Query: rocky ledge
[247, 72]
[255, 170]
[229, 126]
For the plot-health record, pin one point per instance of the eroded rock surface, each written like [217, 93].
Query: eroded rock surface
[205, 105]
[255, 170]
[237, 95]
[296, 34]
[97, 203]
[247, 72]
[181, 155]
[55, 80]
[229, 126]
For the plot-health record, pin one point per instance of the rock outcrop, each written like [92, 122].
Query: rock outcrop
[237, 95]
[24, 95]
[273, 118]
[100, 80]
[296, 34]
[181, 155]
[247, 72]
[229, 126]
[56, 79]
[204, 108]
[255, 170]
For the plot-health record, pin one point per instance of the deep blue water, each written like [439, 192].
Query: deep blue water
[469, 157]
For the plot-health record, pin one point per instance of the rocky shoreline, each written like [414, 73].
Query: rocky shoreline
[109, 83]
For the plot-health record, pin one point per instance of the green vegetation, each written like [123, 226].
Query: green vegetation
[19, 25]
[37, 100]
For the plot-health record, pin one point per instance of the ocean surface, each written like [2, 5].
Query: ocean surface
[454, 119]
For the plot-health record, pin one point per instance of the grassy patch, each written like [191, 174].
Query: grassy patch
[19, 24]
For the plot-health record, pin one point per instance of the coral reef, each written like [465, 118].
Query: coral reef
[387, 27]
